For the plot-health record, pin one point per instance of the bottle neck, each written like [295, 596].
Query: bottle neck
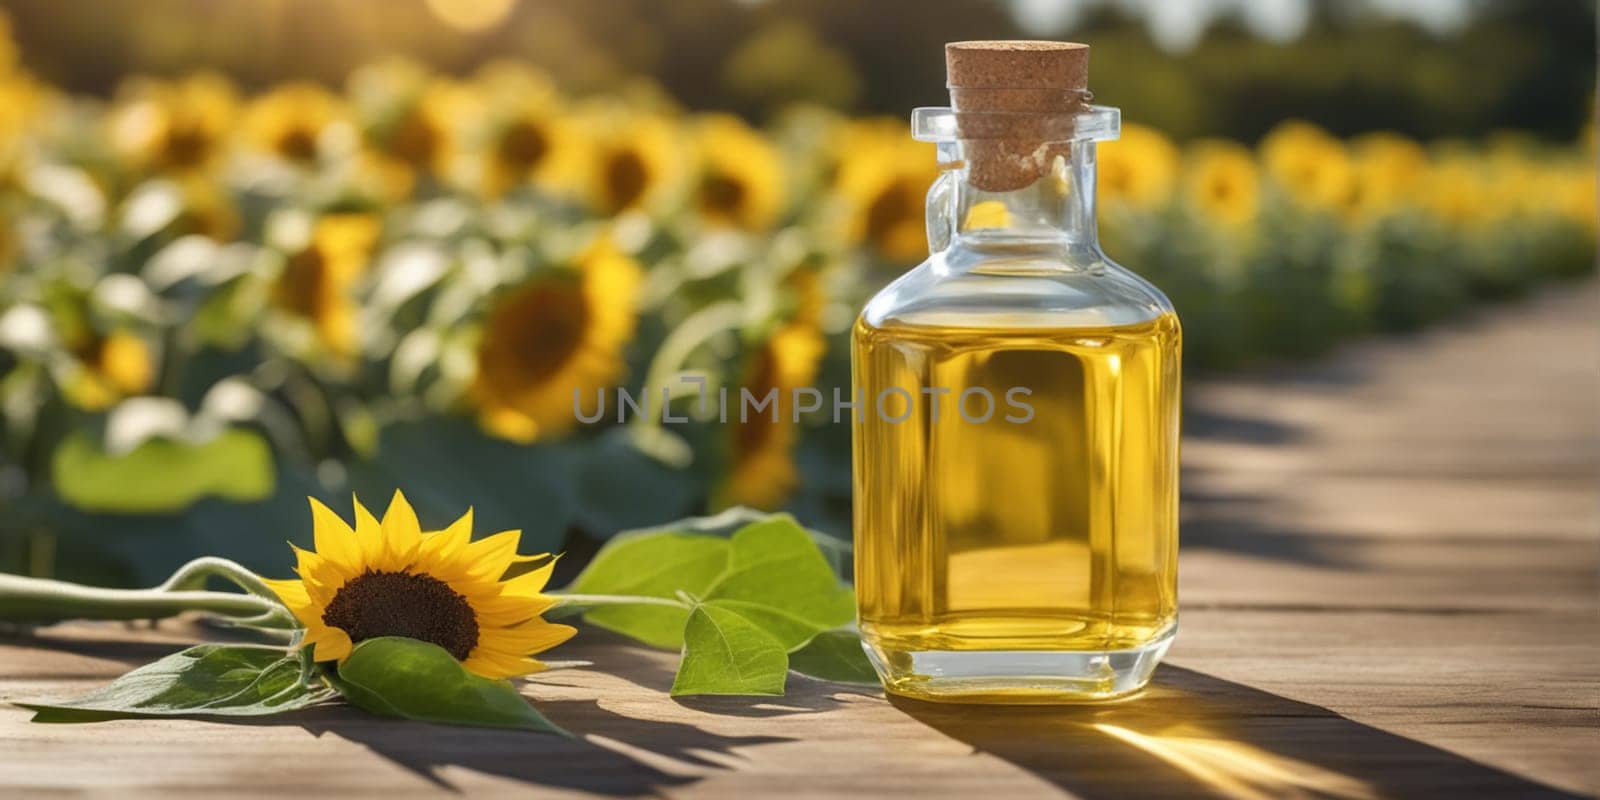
[1055, 212]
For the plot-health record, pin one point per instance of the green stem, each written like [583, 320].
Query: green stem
[38, 600]
[42, 601]
[615, 600]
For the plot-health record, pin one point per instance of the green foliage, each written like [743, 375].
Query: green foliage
[206, 680]
[162, 474]
[652, 565]
[399, 677]
[834, 656]
[725, 652]
[737, 606]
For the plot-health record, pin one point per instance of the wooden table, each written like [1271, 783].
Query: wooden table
[1389, 589]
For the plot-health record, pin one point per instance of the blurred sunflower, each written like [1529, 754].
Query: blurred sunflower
[1572, 193]
[520, 131]
[1388, 172]
[173, 126]
[1137, 170]
[741, 180]
[206, 210]
[108, 368]
[316, 281]
[291, 121]
[22, 106]
[883, 175]
[407, 120]
[1222, 182]
[635, 162]
[761, 471]
[1457, 191]
[551, 337]
[1311, 166]
[390, 578]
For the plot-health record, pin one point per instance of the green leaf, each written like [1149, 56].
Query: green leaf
[400, 677]
[724, 653]
[208, 680]
[162, 475]
[834, 656]
[775, 563]
[652, 565]
[789, 630]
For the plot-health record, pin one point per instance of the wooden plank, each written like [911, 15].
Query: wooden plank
[1389, 589]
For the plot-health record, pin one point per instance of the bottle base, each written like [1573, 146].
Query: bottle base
[1018, 677]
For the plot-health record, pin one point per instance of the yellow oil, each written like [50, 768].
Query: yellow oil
[1058, 533]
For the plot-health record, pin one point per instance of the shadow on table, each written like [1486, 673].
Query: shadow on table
[615, 755]
[1192, 735]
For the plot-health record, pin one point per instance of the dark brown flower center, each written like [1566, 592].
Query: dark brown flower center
[414, 140]
[187, 145]
[298, 144]
[721, 195]
[418, 607]
[303, 287]
[752, 434]
[523, 145]
[626, 178]
[535, 332]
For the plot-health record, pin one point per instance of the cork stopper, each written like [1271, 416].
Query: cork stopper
[1014, 103]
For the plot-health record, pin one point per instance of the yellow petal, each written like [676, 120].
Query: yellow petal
[491, 555]
[291, 592]
[439, 551]
[510, 609]
[496, 666]
[369, 535]
[313, 568]
[401, 534]
[335, 645]
[533, 636]
[529, 584]
[335, 541]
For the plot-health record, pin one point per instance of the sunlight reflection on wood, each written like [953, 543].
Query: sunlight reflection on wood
[1237, 769]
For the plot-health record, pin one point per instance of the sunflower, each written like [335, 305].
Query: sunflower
[1223, 184]
[24, 104]
[1313, 167]
[177, 126]
[109, 368]
[291, 121]
[520, 129]
[315, 282]
[206, 210]
[407, 120]
[1138, 169]
[883, 176]
[1457, 190]
[741, 176]
[1389, 171]
[551, 337]
[762, 473]
[634, 162]
[390, 578]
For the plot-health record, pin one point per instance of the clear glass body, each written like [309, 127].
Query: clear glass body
[1030, 555]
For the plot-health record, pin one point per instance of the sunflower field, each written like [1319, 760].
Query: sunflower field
[214, 304]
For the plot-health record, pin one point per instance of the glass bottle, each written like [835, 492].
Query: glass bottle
[1016, 461]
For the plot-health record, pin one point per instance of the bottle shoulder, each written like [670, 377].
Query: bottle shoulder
[1084, 289]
